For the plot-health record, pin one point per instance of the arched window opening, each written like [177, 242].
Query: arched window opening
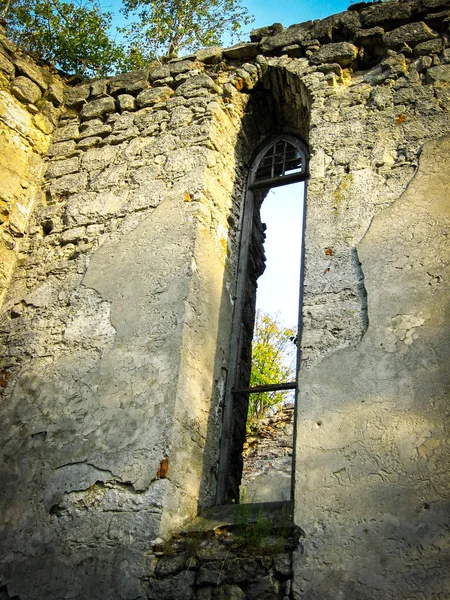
[281, 162]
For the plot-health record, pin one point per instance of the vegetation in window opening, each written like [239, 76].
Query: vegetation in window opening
[273, 361]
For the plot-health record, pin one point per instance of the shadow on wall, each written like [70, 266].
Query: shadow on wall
[372, 449]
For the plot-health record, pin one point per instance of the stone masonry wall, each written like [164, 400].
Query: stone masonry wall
[116, 323]
[30, 101]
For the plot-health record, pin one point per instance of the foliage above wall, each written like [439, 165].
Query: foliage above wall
[76, 34]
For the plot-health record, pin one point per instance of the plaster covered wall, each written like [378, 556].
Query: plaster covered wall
[116, 324]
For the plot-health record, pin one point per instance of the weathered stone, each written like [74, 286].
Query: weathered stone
[367, 37]
[7, 44]
[135, 81]
[434, 46]
[265, 589]
[179, 587]
[292, 35]
[412, 33]
[126, 102]
[211, 574]
[386, 13]
[67, 132]
[258, 34]
[55, 92]
[30, 70]
[170, 565]
[439, 73]
[154, 96]
[89, 142]
[68, 184]
[6, 65]
[72, 236]
[242, 51]
[116, 328]
[98, 158]
[338, 25]
[62, 149]
[230, 592]
[98, 108]
[283, 565]
[94, 128]
[62, 167]
[160, 72]
[342, 53]
[196, 86]
[43, 123]
[25, 90]
[76, 95]
[210, 56]
[434, 3]
[99, 87]
[177, 67]
[147, 117]
[245, 570]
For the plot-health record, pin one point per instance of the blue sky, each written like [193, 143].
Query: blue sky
[287, 13]
[278, 287]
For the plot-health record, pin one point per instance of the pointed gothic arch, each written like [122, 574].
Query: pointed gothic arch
[281, 161]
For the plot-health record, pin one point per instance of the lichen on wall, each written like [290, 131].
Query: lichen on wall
[30, 97]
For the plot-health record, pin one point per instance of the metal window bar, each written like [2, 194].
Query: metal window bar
[282, 163]
[270, 387]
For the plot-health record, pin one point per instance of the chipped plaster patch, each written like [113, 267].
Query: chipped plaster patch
[404, 328]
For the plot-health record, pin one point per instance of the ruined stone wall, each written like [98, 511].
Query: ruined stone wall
[30, 97]
[116, 325]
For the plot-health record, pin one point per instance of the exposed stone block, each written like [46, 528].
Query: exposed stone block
[434, 46]
[30, 70]
[336, 26]
[181, 66]
[342, 53]
[160, 72]
[62, 167]
[99, 87]
[126, 102]
[385, 13]
[67, 148]
[435, 3]
[68, 132]
[412, 33]
[98, 108]
[292, 35]
[43, 123]
[89, 142]
[6, 65]
[74, 96]
[93, 128]
[135, 81]
[25, 90]
[68, 184]
[194, 86]
[179, 587]
[242, 51]
[55, 92]
[210, 56]
[258, 34]
[154, 96]
[441, 73]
